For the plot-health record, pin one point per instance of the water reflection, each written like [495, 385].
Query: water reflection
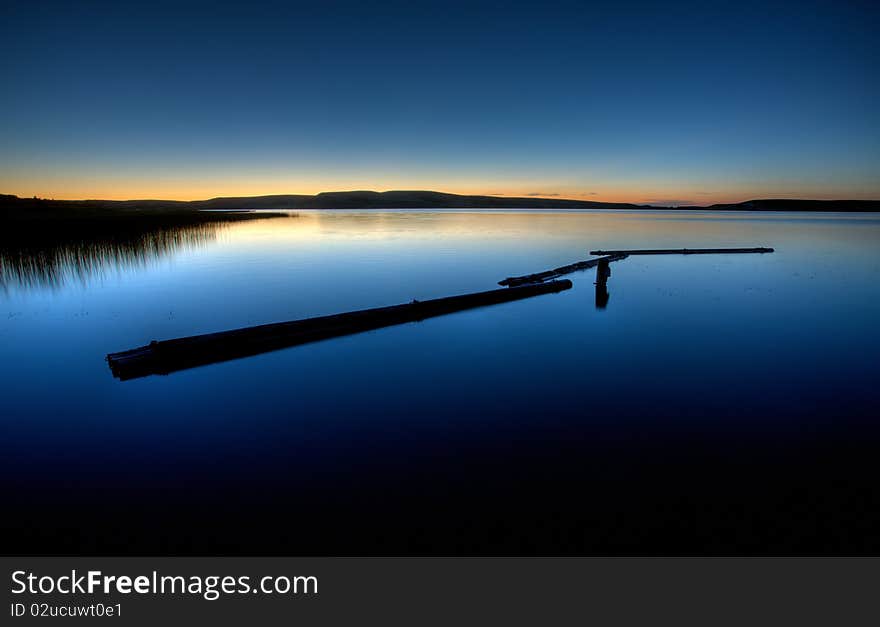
[53, 259]
[730, 410]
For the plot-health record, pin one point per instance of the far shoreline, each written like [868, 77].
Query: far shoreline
[26, 209]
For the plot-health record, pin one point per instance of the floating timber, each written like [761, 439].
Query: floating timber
[188, 352]
[540, 277]
[681, 251]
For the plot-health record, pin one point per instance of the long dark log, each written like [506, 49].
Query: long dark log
[199, 350]
[681, 251]
[540, 277]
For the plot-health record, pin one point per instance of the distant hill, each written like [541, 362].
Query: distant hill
[13, 206]
[324, 200]
[789, 204]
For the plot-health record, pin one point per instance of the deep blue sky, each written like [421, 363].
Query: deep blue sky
[652, 102]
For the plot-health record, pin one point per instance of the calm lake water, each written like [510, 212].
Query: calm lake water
[717, 404]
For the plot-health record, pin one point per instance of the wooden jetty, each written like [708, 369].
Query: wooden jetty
[681, 251]
[188, 352]
[540, 277]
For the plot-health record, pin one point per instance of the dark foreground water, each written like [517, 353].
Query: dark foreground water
[717, 404]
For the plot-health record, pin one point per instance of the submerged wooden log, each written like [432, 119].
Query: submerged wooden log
[681, 251]
[540, 277]
[199, 350]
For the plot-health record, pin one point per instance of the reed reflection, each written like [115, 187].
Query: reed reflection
[40, 258]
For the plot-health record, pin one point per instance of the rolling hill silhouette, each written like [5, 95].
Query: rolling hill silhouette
[11, 205]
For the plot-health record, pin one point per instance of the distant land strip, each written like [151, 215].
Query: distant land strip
[13, 206]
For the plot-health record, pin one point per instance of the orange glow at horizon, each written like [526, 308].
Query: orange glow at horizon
[660, 193]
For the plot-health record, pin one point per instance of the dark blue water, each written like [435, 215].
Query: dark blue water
[717, 404]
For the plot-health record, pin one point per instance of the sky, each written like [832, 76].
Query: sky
[661, 102]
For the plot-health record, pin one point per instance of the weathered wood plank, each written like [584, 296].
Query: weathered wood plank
[188, 352]
[681, 251]
[540, 277]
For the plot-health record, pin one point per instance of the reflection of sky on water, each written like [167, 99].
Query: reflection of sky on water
[778, 348]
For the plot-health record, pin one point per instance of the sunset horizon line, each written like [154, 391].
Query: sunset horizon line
[549, 196]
